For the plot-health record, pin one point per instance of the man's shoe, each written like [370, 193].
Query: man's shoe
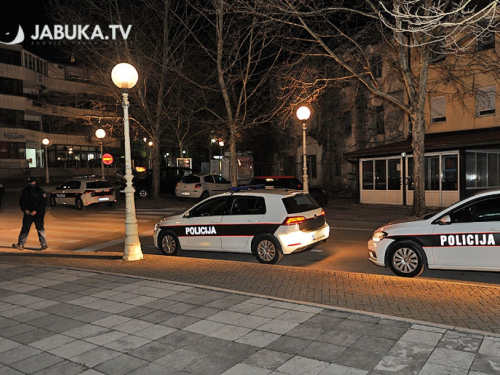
[44, 247]
[18, 246]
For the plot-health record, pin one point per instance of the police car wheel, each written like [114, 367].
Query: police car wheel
[169, 243]
[78, 204]
[53, 201]
[267, 249]
[143, 193]
[406, 259]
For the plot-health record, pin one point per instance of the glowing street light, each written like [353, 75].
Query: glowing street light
[125, 77]
[100, 134]
[303, 114]
[46, 142]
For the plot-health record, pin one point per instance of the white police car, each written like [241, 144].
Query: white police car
[83, 191]
[465, 236]
[266, 223]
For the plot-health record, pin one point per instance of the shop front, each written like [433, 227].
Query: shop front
[451, 174]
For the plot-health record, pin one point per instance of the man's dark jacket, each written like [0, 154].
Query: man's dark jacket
[33, 198]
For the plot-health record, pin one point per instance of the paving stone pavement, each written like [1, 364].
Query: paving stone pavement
[56, 320]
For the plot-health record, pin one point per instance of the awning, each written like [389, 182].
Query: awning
[435, 142]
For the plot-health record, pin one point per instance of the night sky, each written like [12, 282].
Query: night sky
[27, 14]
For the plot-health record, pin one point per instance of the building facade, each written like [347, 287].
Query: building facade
[40, 99]
[462, 132]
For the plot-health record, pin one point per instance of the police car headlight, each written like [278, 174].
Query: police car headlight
[379, 236]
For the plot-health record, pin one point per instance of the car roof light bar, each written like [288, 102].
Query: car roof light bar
[244, 188]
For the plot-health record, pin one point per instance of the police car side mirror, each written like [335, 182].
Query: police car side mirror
[445, 220]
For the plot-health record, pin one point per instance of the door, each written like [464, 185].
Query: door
[242, 223]
[201, 230]
[216, 184]
[471, 237]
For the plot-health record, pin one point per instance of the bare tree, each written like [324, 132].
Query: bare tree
[157, 45]
[415, 30]
[244, 52]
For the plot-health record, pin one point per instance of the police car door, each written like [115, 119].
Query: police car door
[202, 228]
[469, 237]
[242, 222]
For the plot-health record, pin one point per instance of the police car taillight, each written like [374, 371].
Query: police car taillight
[197, 186]
[294, 220]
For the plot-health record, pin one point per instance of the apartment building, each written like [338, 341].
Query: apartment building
[462, 143]
[40, 99]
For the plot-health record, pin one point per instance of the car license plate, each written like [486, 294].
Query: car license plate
[60, 195]
[318, 235]
[185, 193]
[103, 199]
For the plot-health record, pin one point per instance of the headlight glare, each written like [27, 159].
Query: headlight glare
[379, 236]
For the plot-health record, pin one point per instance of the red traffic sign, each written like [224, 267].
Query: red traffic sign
[107, 159]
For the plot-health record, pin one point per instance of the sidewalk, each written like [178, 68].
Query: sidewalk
[62, 321]
[65, 312]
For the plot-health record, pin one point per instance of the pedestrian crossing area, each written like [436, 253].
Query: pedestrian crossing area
[87, 230]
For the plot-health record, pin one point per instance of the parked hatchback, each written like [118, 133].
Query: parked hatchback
[265, 223]
[83, 191]
[201, 186]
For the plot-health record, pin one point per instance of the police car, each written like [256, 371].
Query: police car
[83, 191]
[465, 236]
[265, 223]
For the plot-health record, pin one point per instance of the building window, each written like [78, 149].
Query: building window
[438, 109]
[10, 57]
[347, 120]
[376, 66]
[482, 169]
[379, 119]
[367, 172]
[394, 174]
[380, 175]
[485, 101]
[486, 41]
[439, 174]
[9, 86]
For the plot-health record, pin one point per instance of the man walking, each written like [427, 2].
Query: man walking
[33, 201]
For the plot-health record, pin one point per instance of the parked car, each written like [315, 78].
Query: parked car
[201, 186]
[290, 182]
[265, 223]
[83, 191]
[169, 177]
[465, 236]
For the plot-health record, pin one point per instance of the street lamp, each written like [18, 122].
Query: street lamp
[303, 114]
[221, 144]
[100, 134]
[46, 142]
[125, 77]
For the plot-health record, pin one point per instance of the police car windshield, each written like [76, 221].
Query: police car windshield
[299, 203]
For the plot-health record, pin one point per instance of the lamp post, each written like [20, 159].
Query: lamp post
[303, 114]
[100, 134]
[150, 144]
[125, 77]
[46, 142]
[221, 144]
